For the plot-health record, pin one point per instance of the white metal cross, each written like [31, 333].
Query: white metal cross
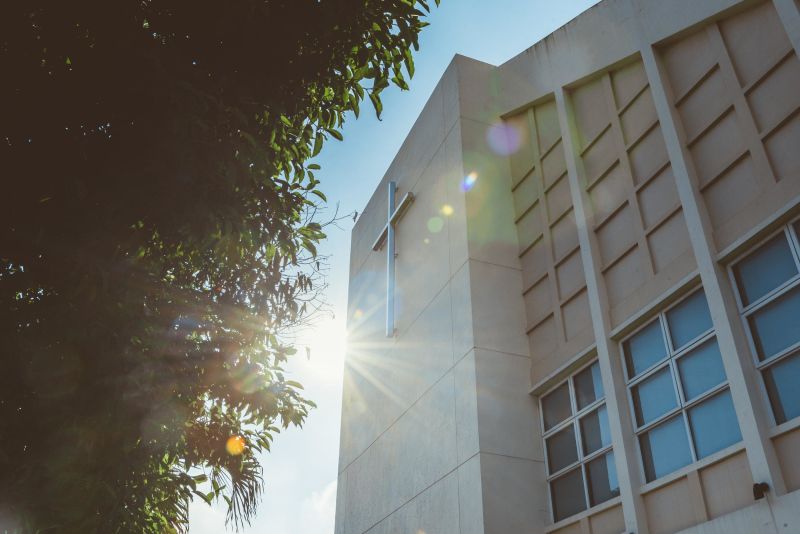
[387, 236]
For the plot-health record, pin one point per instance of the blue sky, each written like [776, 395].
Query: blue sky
[301, 470]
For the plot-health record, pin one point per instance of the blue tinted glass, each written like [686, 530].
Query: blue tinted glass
[776, 326]
[594, 431]
[602, 479]
[561, 449]
[665, 449]
[688, 320]
[782, 381]
[765, 269]
[654, 396]
[701, 369]
[556, 406]
[567, 495]
[588, 386]
[714, 425]
[645, 349]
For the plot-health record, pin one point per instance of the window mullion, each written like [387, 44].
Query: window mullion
[662, 317]
[689, 434]
[772, 296]
[706, 395]
[564, 470]
[677, 385]
[650, 372]
[585, 487]
[578, 439]
[599, 452]
[794, 243]
[658, 420]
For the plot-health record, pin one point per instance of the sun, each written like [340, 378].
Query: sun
[322, 349]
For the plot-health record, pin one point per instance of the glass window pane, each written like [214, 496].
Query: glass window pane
[601, 475]
[561, 449]
[594, 431]
[567, 494]
[588, 386]
[556, 406]
[765, 269]
[645, 349]
[688, 320]
[782, 381]
[654, 397]
[701, 369]
[714, 425]
[776, 326]
[665, 449]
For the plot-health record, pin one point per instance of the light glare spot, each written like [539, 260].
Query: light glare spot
[469, 181]
[447, 210]
[235, 445]
[435, 225]
[504, 139]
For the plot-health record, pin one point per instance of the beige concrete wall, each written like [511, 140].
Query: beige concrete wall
[554, 285]
[408, 421]
[787, 446]
[728, 63]
[651, 142]
[437, 419]
[633, 209]
[735, 87]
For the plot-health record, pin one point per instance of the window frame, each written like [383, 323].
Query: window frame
[670, 361]
[574, 420]
[792, 236]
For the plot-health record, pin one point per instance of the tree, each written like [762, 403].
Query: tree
[156, 244]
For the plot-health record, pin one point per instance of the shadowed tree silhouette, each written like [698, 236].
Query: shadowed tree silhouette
[157, 240]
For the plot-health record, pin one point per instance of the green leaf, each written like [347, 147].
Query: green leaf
[335, 133]
[377, 104]
[320, 139]
[409, 62]
[206, 498]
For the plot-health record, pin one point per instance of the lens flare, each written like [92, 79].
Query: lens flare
[447, 210]
[435, 225]
[426, 241]
[235, 445]
[247, 378]
[469, 181]
[503, 139]
[358, 314]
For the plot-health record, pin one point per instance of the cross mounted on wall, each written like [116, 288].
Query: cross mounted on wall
[387, 236]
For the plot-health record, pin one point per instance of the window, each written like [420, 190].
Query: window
[678, 390]
[580, 461]
[767, 282]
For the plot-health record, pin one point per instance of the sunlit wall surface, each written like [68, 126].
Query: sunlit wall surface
[596, 287]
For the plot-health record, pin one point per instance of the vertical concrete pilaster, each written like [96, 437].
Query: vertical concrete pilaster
[622, 435]
[742, 375]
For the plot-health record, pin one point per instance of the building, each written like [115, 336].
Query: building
[595, 299]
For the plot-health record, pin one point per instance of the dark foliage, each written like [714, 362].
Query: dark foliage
[155, 241]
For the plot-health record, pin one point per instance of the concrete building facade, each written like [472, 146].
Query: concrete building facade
[596, 289]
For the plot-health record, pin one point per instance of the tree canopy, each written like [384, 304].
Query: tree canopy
[157, 240]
